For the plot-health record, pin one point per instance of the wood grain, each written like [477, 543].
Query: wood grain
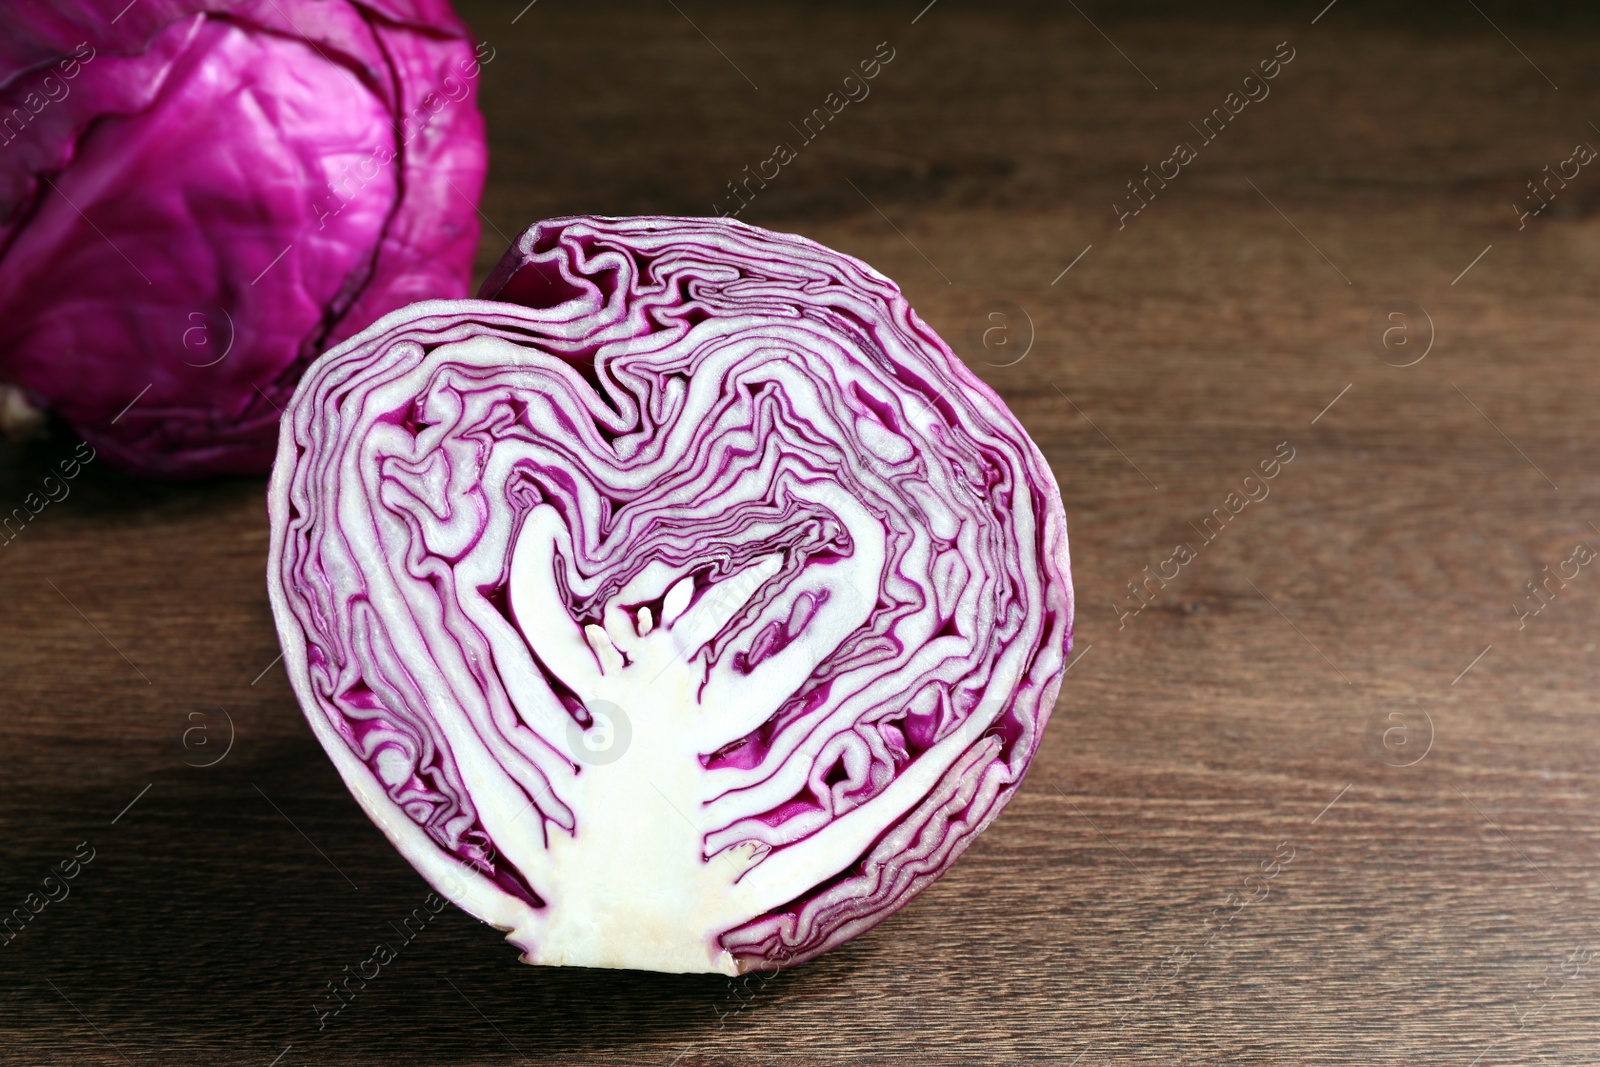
[1299, 690]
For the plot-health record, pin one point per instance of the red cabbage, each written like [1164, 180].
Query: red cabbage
[197, 197]
[686, 606]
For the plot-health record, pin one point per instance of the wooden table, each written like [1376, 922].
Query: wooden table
[1336, 692]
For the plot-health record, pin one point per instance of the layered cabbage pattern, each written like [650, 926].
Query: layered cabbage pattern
[687, 605]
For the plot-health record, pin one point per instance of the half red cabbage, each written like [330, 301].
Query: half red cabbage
[688, 606]
[197, 197]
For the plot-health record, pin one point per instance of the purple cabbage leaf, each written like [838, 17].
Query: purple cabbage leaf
[198, 197]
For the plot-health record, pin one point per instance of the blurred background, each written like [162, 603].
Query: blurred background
[1365, 681]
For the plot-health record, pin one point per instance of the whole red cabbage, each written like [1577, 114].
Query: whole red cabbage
[689, 606]
[197, 197]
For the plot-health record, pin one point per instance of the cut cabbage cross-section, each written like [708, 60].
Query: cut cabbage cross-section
[686, 605]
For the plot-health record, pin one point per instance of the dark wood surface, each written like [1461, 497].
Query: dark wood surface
[1302, 688]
